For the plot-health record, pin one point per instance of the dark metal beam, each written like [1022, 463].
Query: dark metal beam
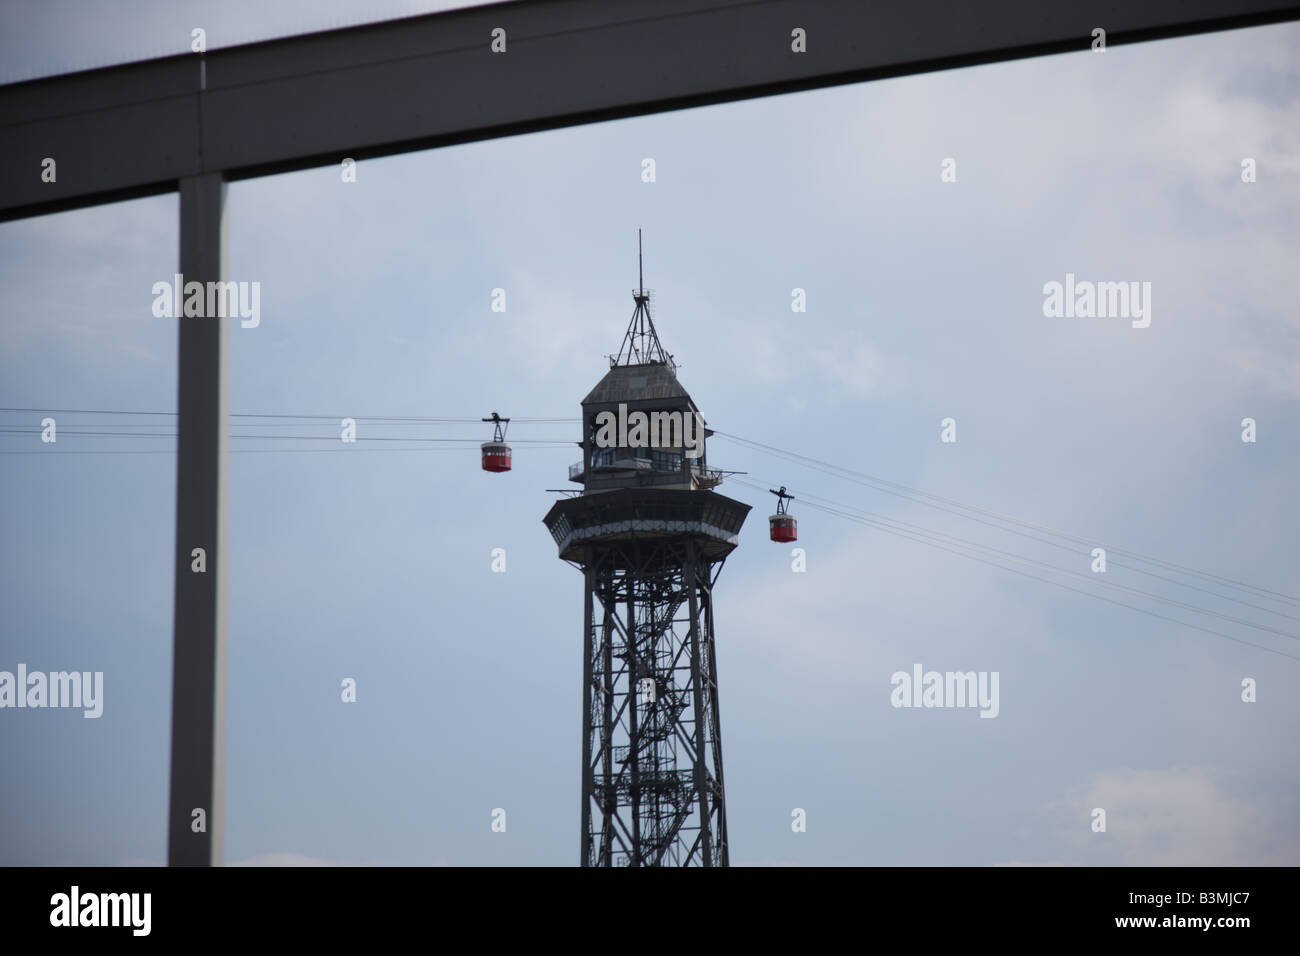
[427, 81]
[198, 760]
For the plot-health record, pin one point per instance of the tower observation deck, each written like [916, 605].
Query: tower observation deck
[650, 537]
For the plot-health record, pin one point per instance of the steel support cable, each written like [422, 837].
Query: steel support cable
[464, 419]
[983, 560]
[862, 478]
[865, 479]
[1056, 544]
[255, 451]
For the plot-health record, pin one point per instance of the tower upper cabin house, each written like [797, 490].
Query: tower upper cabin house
[640, 427]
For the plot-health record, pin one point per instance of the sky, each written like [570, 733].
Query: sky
[924, 302]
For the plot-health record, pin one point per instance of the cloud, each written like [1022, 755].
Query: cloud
[857, 367]
[1185, 816]
[86, 284]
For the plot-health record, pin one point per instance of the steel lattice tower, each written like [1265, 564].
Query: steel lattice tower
[650, 538]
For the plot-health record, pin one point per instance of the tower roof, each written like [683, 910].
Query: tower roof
[635, 383]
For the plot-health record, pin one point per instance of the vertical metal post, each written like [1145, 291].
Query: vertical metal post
[608, 796]
[198, 755]
[691, 575]
[588, 703]
[633, 659]
[715, 713]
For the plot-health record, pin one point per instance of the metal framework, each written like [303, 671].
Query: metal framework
[652, 781]
[191, 123]
[652, 741]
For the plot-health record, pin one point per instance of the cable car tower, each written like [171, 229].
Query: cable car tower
[650, 537]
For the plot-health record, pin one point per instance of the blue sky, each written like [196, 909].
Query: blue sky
[924, 302]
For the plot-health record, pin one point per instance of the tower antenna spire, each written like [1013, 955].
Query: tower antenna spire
[641, 341]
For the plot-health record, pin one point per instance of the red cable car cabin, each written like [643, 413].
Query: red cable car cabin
[496, 456]
[784, 528]
[496, 453]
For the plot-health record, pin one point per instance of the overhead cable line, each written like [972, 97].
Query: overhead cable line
[926, 498]
[991, 563]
